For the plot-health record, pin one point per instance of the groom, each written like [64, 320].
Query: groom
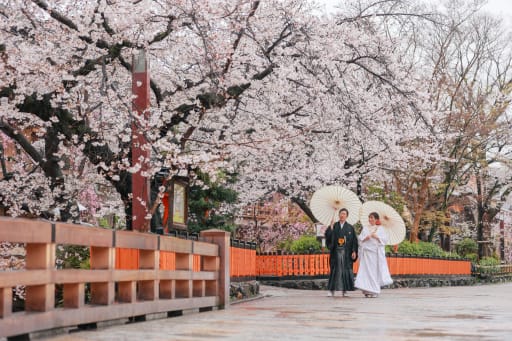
[341, 240]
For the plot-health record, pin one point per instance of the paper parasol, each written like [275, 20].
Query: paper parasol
[389, 219]
[327, 201]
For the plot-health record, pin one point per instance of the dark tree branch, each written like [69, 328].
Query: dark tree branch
[239, 36]
[56, 15]
[11, 132]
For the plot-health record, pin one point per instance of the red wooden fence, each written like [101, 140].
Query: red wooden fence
[318, 264]
[245, 263]
[242, 263]
[128, 259]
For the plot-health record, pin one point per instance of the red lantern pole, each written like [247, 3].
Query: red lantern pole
[140, 147]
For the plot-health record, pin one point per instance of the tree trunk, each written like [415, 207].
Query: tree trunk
[419, 207]
[413, 237]
[305, 208]
[480, 226]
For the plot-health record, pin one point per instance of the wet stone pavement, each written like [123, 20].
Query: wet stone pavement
[442, 313]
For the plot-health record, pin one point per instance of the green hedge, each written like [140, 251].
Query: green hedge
[305, 244]
[488, 265]
[466, 247]
[421, 248]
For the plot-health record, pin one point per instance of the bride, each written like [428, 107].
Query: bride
[373, 270]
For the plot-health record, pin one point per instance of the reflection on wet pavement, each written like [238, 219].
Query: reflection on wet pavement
[480, 313]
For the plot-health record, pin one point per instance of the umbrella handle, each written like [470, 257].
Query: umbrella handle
[333, 218]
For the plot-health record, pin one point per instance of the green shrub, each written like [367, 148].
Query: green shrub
[466, 246]
[489, 261]
[431, 249]
[488, 265]
[473, 257]
[305, 244]
[408, 248]
[421, 249]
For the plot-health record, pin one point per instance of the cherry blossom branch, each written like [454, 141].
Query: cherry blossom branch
[239, 36]
[56, 15]
[24, 143]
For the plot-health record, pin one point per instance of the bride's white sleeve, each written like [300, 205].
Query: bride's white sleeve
[363, 234]
[383, 236]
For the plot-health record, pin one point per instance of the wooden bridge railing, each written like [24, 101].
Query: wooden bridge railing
[280, 265]
[171, 275]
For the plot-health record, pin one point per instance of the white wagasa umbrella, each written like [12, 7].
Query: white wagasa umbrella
[327, 201]
[389, 219]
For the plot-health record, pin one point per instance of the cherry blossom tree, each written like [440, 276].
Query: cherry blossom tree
[352, 111]
[469, 55]
[273, 222]
[288, 100]
[67, 80]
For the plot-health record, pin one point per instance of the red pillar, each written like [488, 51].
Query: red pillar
[140, 147]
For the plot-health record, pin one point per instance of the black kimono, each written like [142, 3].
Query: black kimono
[341, 243]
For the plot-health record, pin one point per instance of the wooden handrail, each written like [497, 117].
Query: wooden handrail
[169, 274]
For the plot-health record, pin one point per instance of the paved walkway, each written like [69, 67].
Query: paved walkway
[444, 313]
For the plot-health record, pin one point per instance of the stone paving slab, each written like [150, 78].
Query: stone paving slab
[481, 313]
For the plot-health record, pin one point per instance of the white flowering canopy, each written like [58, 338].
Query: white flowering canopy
[288, 100]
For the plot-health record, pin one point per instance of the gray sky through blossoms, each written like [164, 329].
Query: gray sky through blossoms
[502, 8]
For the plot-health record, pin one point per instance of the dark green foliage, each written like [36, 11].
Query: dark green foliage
[466, 246]
[206, 206]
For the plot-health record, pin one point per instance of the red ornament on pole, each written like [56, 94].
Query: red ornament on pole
[140, 146]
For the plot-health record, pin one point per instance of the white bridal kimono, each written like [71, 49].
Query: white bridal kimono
[373, 270]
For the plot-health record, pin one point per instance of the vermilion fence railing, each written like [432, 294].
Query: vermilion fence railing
[128, 259]
[273, 264]
[410, 265]
[279, 265]
[245, 263]
[243, 260]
